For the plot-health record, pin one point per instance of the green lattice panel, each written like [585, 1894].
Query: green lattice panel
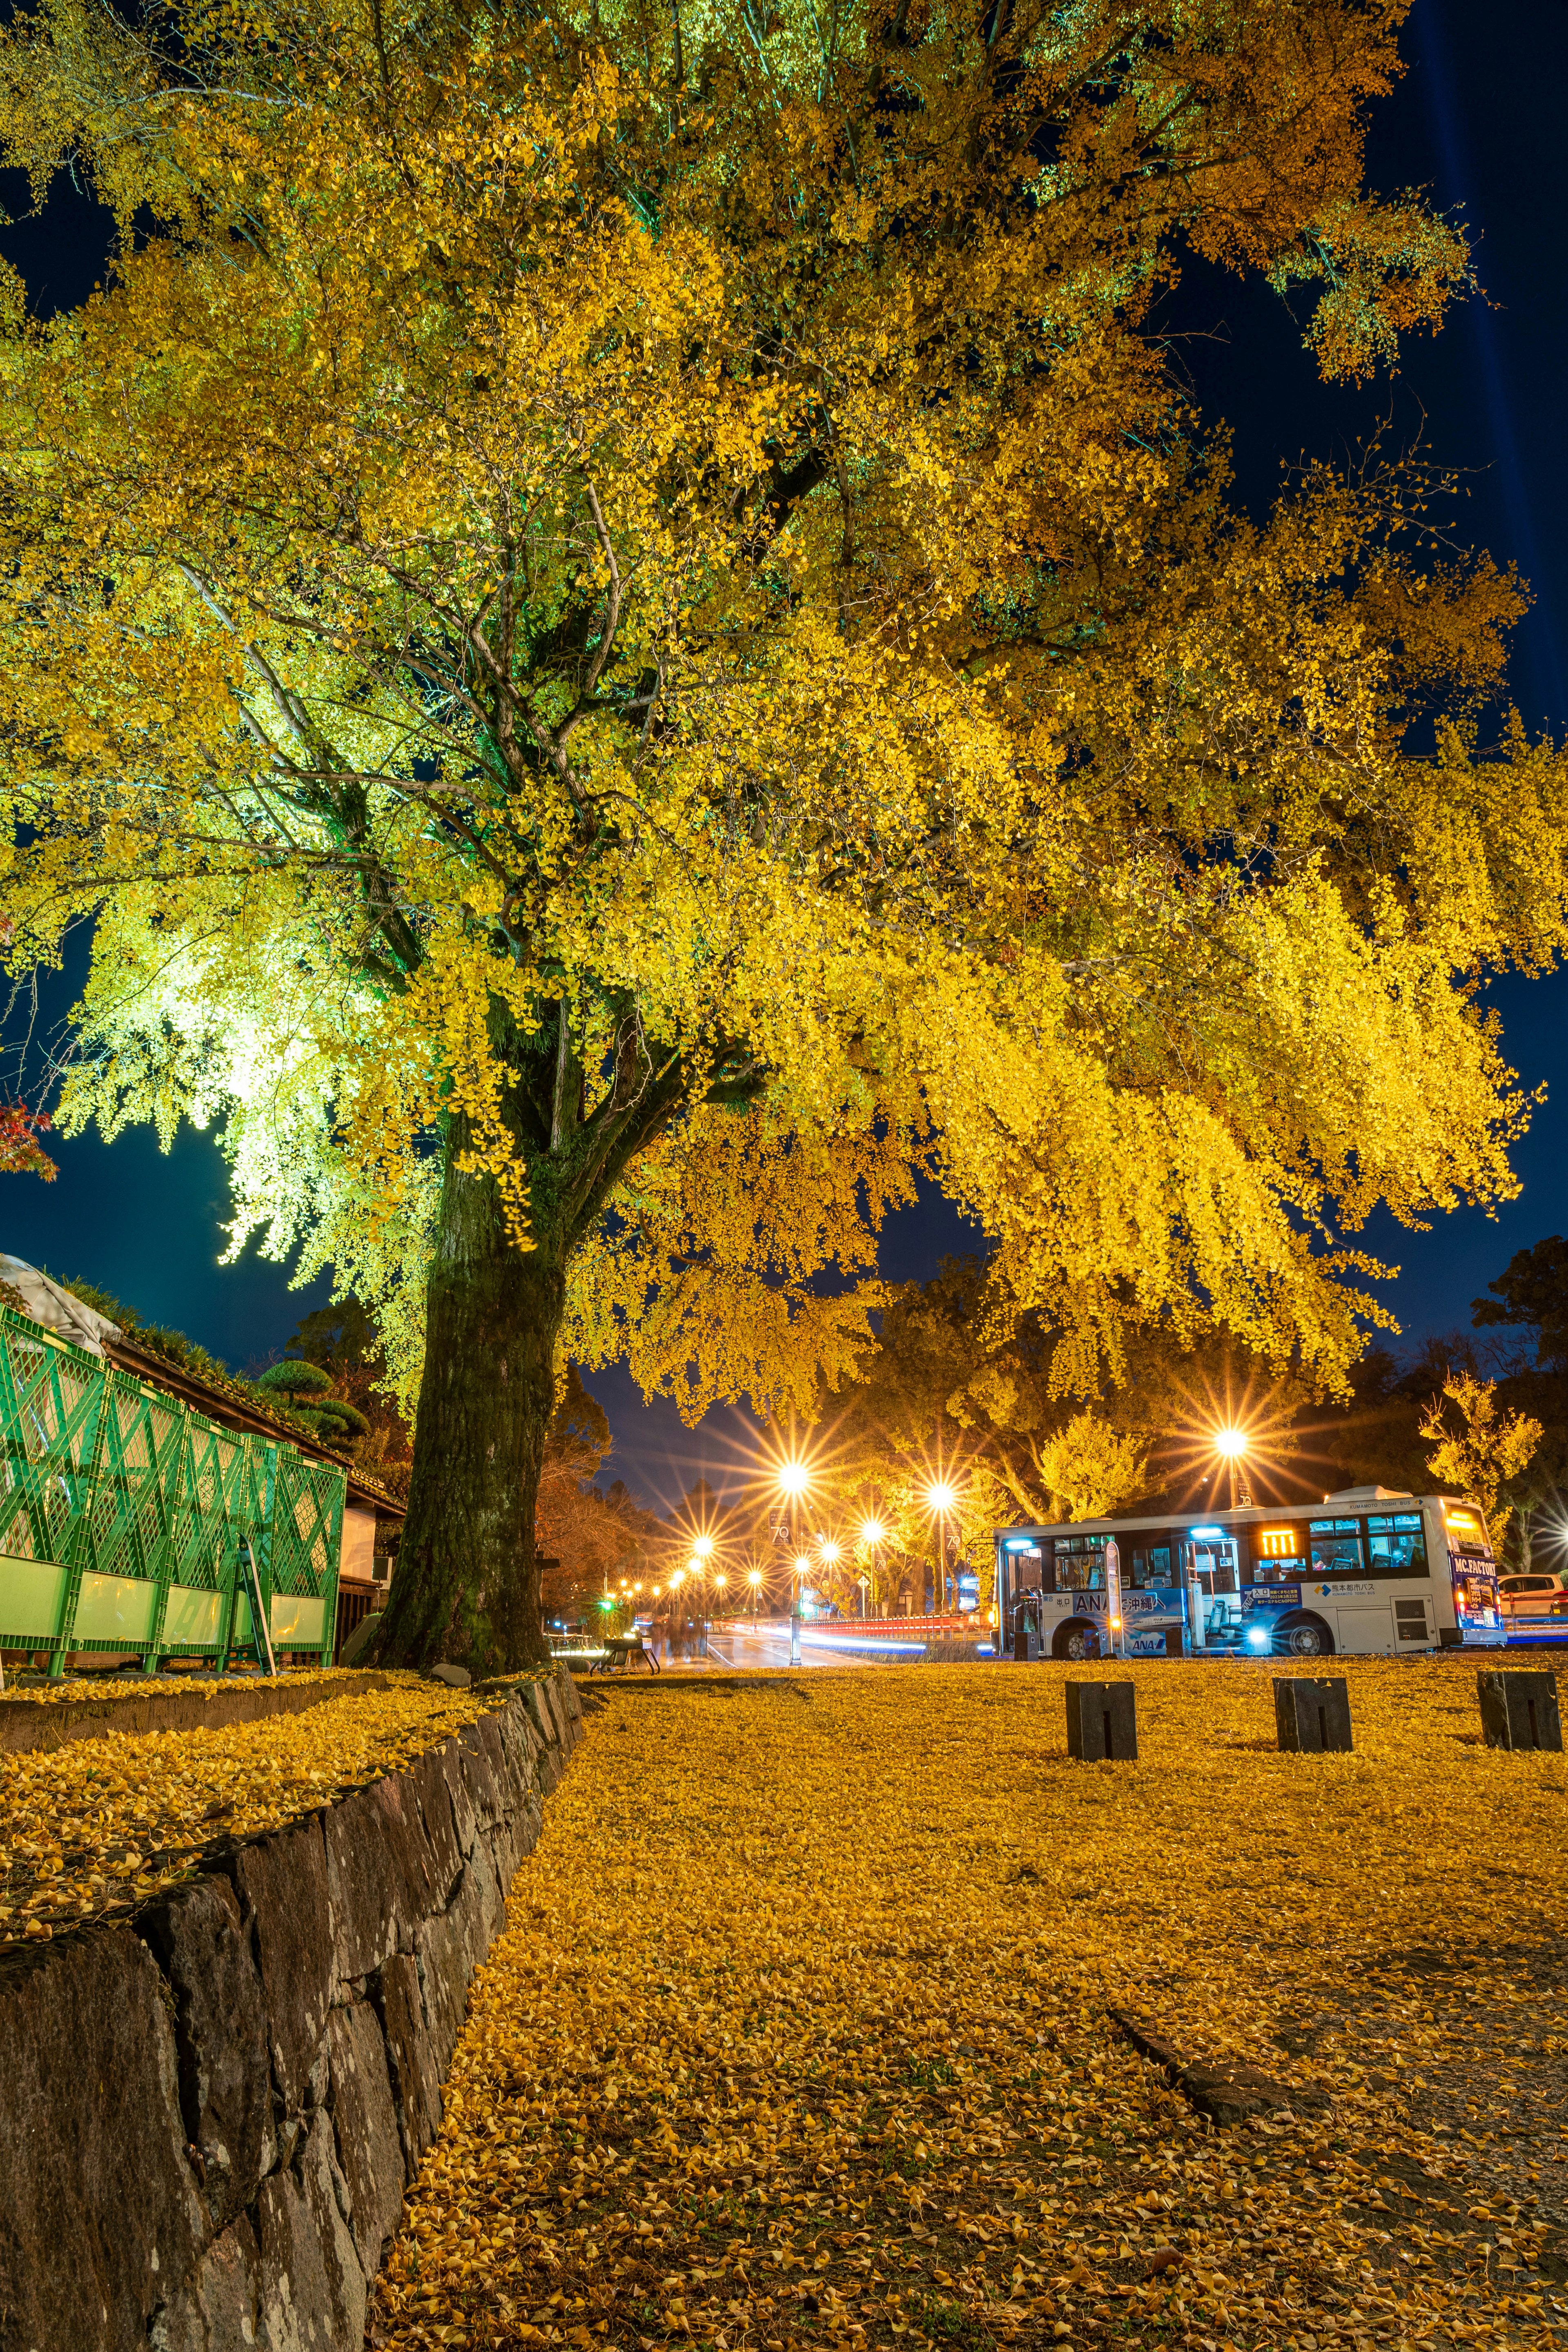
[51, 1398]
[136, 1497]
[216, 1504]
[307, 1522]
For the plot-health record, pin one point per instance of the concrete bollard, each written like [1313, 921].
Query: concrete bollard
[1519, 1710]
[1102, 1722]
[1313, 1712]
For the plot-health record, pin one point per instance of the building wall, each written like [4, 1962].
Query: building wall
[359, 1542]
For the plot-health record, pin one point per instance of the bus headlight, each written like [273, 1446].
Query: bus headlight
[1258, 1638]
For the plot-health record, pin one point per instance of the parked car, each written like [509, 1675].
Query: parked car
[1539, 1594]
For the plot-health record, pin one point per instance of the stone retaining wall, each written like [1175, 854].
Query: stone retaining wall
[209, 2115]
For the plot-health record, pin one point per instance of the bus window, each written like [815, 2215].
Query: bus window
[1279, 1554]
[1466, 1533]
[1337, 1548]
[1151, 1567]
[1396, 1544]
[1080, 1563]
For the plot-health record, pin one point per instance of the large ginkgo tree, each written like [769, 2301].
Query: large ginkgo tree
[619, 624]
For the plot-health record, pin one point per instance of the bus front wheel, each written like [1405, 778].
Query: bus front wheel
[1076, 1642]
[1307, 1637]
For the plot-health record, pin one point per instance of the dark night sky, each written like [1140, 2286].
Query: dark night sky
[1477, 121]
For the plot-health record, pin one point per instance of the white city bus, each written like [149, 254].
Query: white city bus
[1364, 1569]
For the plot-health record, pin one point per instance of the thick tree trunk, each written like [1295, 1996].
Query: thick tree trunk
[466, 1587]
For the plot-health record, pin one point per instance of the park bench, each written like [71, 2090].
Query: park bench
[621, 1651]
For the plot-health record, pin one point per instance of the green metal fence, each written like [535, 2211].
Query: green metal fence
[122, 1514]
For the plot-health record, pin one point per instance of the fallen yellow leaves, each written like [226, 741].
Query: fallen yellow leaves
[798, 2034]
[88, 1690]
[103, 1822]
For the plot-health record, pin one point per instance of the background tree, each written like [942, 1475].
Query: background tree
[1478, 1449]
[21, 1153]
[1532, 1292]
[626, 639]
[590, 1537]
[345, 1341]
[307, 1389]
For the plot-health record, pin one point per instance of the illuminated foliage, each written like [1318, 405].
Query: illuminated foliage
[1485, 1452]
[618, 623]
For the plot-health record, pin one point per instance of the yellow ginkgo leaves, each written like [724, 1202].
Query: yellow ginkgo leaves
[100, 1823]
[799, 2034]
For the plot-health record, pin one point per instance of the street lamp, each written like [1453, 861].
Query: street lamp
[801, 1568]
[1231, 1444]
[754, 1580]
[872, 1534]
[794, 1479]
[830, 1553]
[942, 1499]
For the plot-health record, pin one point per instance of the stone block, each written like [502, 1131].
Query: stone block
[1520, 1709]
[99, 2219]
[216, 2308]
[1313, 1714]
[441, 1947]
[460, 1797]
[1102, 1722]
[431, 1793]
[194, 1934]
[367, 1631]
[312, 2295]
[455, 1677]
[520, 1750]
[540, 1711]
[413, 2074]
[381, 1873]
[364, 2127]
[510, 1843]
[286, 1903]
[486, 1880]
[482, 1763]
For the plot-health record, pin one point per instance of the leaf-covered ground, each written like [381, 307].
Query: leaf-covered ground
[95, 1689]
[91, 1828]
[799, 2032]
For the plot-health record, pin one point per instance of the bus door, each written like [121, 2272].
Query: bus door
[1212, 1567]
[1474, 1573]
[1152, 1614]
[1019, 1597]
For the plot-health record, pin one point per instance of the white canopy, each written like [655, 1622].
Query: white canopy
[55, 1308]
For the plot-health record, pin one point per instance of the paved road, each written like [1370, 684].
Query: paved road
[737, 1646]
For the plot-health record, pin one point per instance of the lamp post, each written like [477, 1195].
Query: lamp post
[701, 1553]
[942, 1499]
[872, 1534]
[755, 1579]
[830, 1552]
[793, 1479]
